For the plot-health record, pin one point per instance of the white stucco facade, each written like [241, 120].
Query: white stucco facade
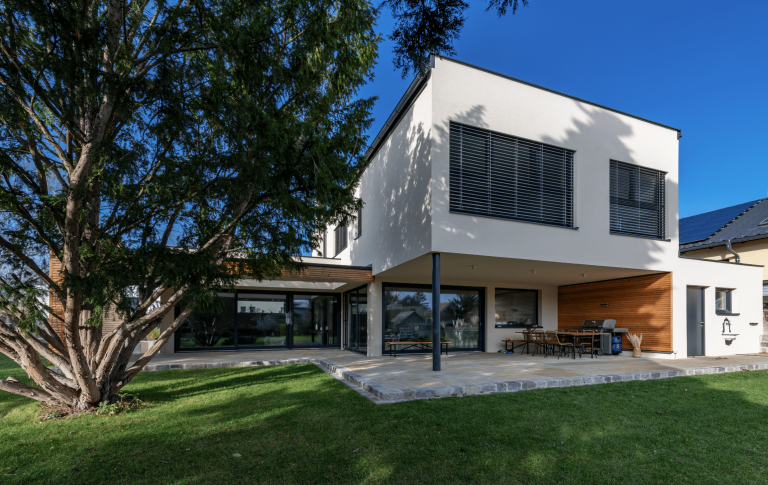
[407, 219]
[407, 216]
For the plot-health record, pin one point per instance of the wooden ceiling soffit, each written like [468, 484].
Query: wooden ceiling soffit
[330, 274]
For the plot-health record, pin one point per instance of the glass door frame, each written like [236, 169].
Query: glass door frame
[347, 318]
[289, 295]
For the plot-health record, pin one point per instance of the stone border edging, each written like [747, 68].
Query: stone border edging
[386, 395]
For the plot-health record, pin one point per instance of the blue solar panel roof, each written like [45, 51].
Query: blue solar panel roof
[702, 226]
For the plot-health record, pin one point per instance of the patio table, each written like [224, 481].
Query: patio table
[576, 336]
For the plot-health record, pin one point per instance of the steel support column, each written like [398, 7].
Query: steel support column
[436, 347]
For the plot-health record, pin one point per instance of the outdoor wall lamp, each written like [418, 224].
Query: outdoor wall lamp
[728, 323]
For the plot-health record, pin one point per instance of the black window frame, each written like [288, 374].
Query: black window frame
[619, 205]
[346, 303]
[525, 290]
[289, 304]
[481, 311]
[510, 178]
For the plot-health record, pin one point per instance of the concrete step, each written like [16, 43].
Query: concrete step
[764, 339]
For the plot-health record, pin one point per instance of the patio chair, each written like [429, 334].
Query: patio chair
[538, 342]
[550, 342]
[528, 338]
[564, 345]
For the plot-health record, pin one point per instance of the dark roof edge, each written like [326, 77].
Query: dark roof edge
[409, 97]
[679, 132]
[722, 262]
[714, 244]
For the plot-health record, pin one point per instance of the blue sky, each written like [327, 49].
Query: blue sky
[701, 66]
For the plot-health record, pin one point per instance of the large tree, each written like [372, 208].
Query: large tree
[427, 27]
[173, 147]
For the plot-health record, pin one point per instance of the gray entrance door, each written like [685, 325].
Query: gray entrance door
[695, 321]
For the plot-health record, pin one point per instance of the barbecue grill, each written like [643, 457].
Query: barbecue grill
[611, 339]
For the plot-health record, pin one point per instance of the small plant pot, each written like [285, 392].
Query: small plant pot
[636, 353]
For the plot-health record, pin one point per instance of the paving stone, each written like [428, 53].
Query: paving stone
[424, 392]
[526, 385]
[513, 386]
[446, 391]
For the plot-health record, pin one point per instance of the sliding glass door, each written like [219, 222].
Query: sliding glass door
[209, 328]
[244, 320]
[357, 320]
[262, 320]
[314, 320]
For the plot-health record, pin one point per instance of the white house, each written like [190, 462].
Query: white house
[545, 209]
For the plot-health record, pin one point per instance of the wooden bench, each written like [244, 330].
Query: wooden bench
[417, 345]
[513, 341]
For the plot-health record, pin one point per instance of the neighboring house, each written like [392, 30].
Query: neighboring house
[743, 226]
[546, 209]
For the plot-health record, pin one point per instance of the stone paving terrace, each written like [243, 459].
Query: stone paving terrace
[410, 376]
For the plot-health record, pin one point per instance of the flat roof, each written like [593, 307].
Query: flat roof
[417, 85]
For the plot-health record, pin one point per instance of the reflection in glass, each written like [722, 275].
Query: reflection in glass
[408, 316]
[357, 320]
[261, 320]
[211, 327]
[517, 308]
[314, 320]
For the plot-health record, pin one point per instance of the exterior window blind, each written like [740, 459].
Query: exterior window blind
[506, 177]
[340, 238]
[637, 201]
[359, 222]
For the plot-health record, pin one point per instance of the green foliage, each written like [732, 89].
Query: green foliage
[221, 131]
[154, 334]
[424, 27]
[120, 404]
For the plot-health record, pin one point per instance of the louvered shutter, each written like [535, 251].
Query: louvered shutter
[359, 222]
[637, 201]
[506, 177]
[340, 238]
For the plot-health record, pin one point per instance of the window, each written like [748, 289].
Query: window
[517, 308]
[340, 239]
[408, 315]
[723, 301]
[506, 177]
[637, 201]
[360, 220]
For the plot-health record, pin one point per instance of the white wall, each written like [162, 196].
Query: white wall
[747, 282]
[488, 101]
[395, 192]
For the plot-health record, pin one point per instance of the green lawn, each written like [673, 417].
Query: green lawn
[295, 424]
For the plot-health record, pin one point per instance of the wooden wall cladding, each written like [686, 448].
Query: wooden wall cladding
[641, 304]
